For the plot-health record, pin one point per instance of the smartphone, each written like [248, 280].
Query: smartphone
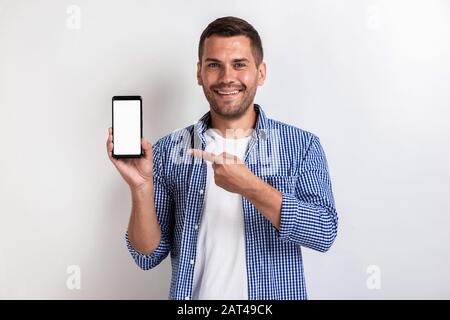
[127, 126]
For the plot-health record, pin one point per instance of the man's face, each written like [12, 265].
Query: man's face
[229, 75]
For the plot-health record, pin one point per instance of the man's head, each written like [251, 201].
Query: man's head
[230, 66]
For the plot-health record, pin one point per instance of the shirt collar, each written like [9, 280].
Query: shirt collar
[261, 128]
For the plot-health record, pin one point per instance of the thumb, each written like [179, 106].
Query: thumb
[147, 147]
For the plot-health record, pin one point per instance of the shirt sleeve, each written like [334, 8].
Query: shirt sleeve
[164, 210]
[308, 216]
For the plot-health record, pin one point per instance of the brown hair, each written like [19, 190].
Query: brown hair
[229, 27]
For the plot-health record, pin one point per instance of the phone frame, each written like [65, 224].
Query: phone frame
[114, 98]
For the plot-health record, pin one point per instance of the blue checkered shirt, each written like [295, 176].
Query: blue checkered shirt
[286, 157]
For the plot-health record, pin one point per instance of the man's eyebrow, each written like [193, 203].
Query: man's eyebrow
[212, 59]
[234, 60]
[241, 60]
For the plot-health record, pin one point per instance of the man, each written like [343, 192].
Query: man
[234, 197]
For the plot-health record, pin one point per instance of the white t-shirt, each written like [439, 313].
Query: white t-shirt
[220, 270]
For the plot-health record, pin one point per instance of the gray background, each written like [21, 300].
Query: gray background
[370, 78]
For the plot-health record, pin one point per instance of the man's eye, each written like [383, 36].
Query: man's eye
[213, 65]
[239, 65]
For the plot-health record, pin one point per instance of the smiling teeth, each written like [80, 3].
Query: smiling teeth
[228, 93]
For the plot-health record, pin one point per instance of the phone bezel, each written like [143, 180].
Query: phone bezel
[114, 98]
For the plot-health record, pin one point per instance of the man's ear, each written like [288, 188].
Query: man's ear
[199, 71]
[261, 73]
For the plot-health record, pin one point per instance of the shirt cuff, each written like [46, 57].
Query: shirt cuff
[289, 206]
[147, 261]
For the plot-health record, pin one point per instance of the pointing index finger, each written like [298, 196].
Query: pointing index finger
[208, 156]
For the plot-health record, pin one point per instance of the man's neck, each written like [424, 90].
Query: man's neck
[235, 128]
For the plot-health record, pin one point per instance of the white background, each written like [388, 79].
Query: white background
[370, 78]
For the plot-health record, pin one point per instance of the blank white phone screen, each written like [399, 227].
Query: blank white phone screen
[127, 127]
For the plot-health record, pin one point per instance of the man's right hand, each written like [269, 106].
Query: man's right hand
[137, 172]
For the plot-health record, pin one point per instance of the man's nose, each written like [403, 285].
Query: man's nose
[228, 74]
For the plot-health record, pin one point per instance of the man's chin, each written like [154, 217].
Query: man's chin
[229, 111]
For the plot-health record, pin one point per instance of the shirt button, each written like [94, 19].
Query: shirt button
[196, 227]
[201, 191]
[192, 261]
[186, 298]
[263, 135]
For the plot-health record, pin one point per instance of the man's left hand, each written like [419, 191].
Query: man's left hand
[230, 172]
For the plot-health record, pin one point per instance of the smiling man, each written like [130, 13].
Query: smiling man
[234, 197]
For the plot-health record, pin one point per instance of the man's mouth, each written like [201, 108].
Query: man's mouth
[227, 92]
